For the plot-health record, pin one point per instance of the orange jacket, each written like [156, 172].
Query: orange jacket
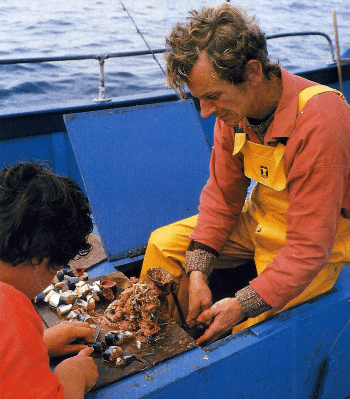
[24, 362]
[317, 160]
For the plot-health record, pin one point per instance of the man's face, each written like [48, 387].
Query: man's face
[230, 103]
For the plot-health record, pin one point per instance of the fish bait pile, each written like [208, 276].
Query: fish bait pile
[111, 348]
[135, 313]
[73, 298]
[140, 308]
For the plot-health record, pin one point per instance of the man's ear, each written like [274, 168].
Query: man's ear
[254, 72]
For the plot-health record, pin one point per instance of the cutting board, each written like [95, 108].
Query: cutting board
[170, 341]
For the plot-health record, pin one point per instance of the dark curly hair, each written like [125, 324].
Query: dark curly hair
[42, 216]
[227, 34]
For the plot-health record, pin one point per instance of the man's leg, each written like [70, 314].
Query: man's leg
[167, 249]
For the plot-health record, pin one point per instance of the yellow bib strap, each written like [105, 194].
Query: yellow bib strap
[306, 94]
[240, 139]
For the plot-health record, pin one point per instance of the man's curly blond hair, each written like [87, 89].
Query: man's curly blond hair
[227, 34]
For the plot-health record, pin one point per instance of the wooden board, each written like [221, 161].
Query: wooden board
[170, 341]
[93, 258]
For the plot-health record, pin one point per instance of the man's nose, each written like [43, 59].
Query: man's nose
[207, 108]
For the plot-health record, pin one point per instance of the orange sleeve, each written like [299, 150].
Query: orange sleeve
[24, 362]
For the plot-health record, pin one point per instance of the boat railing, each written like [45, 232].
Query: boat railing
[331, 49]
[99, 57]
[102, 57]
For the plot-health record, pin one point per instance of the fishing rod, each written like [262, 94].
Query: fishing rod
[143, 38]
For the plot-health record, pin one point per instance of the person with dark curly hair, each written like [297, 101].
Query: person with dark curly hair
[44, 223]
[288, 135]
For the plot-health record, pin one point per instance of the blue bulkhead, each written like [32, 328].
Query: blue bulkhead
[143, 167]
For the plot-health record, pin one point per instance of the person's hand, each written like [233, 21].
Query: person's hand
[58, 337]
[220, 319]
[200, 297]
[77, 374]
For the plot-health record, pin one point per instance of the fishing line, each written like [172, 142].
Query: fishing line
[143, 38]
[154, 57]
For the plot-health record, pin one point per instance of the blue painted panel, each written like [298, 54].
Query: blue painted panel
[36, 148]
[333, 382]
[143, 167]
[53, 149]
[208, 127]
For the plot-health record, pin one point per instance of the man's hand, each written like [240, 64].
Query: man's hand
[200, 297]
[58, 337]
[220, 319]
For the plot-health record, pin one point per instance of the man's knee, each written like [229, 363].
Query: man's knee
[162, 237]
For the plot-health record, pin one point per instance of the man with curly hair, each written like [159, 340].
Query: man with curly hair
[289, 135]
[44, 223]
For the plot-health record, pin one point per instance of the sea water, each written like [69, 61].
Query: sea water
[48, 28]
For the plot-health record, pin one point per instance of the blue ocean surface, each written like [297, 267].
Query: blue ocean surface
[48, 28]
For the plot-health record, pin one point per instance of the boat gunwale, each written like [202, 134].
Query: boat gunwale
[32, 122]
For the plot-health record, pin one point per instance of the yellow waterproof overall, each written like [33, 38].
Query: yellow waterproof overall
[261, 229]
